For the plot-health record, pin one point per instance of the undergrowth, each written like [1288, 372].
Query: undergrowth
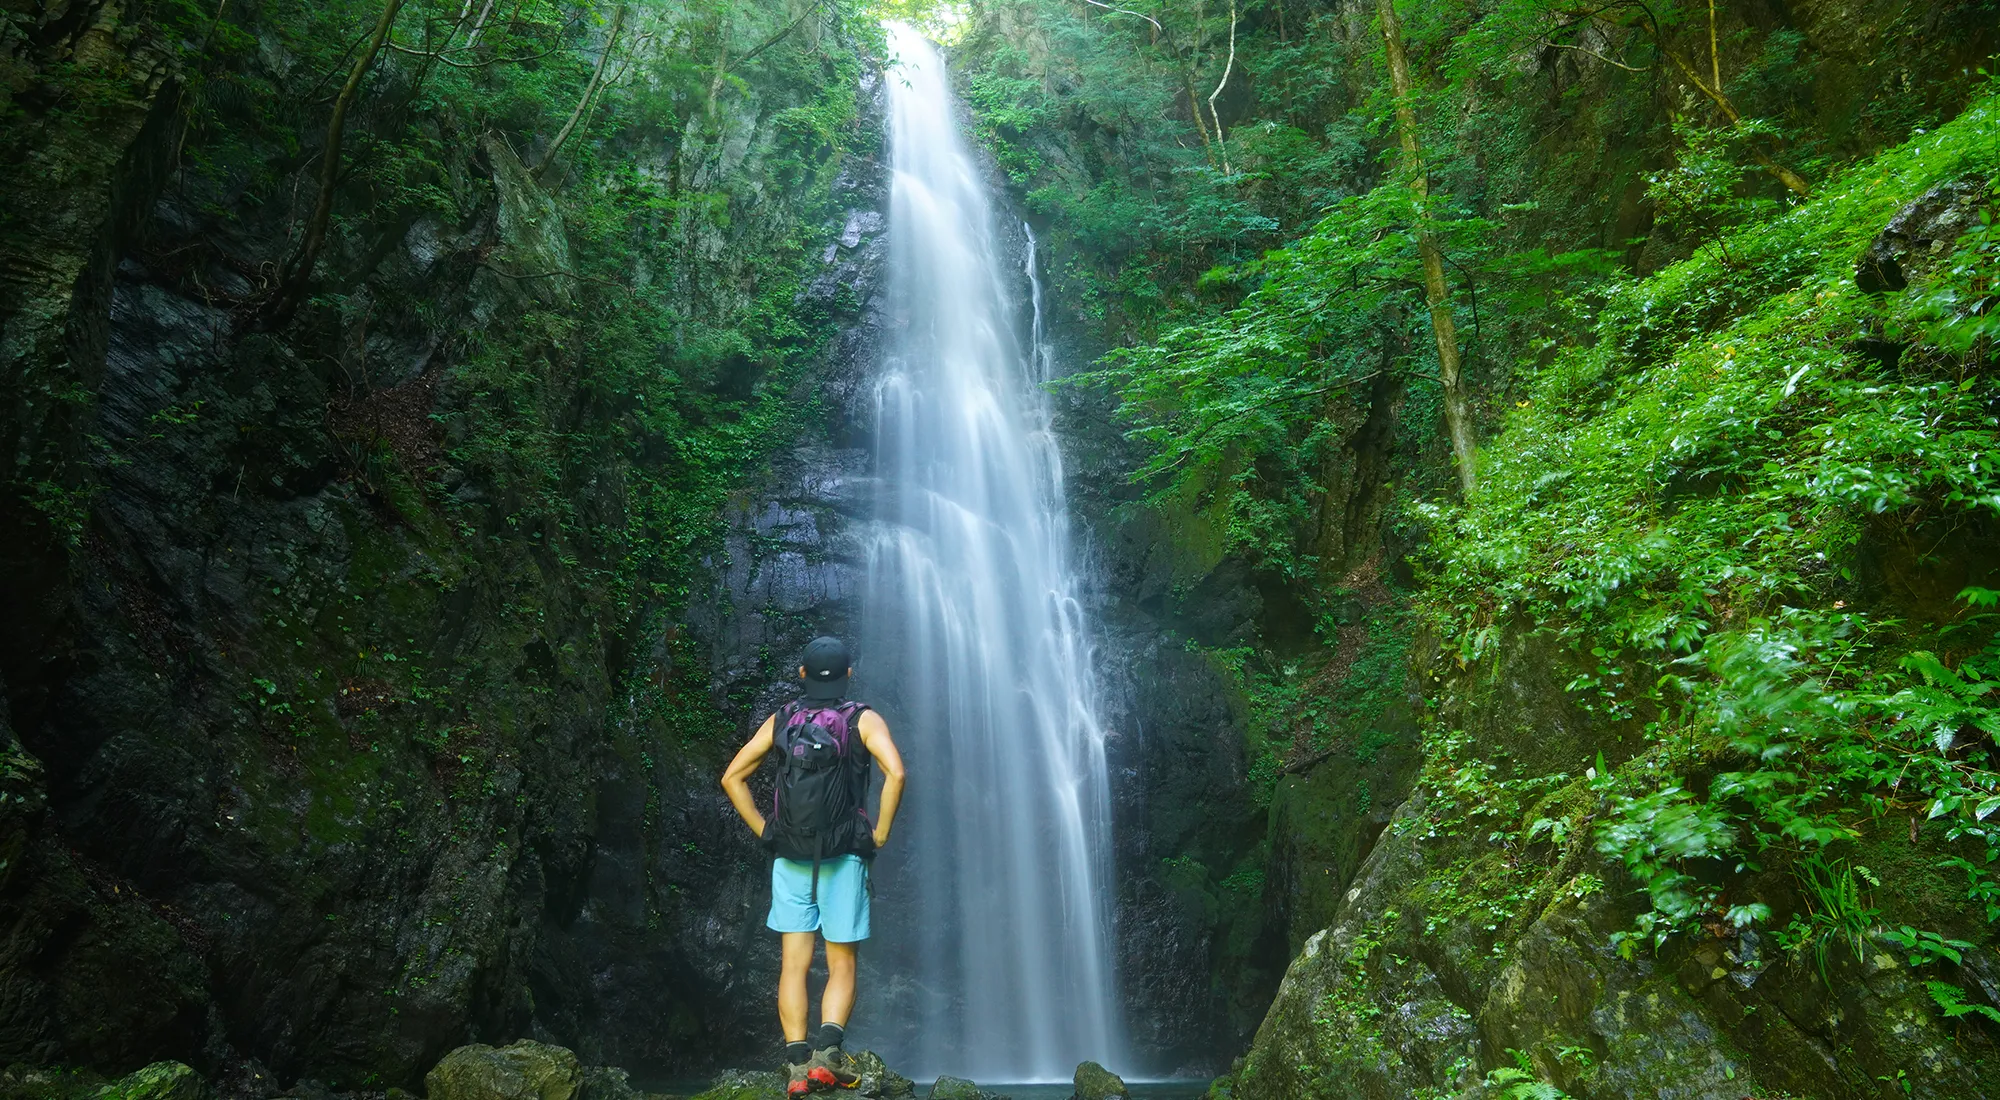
[1760, 538]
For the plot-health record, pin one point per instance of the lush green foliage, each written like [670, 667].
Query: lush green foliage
[1253, 264]
[607, 337]
[1241, 411]
[1747, 498]
[1701, 499]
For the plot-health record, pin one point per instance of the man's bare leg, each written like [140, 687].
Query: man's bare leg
[838, 999]
[796, 963]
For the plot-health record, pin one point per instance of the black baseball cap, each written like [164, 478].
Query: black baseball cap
[825, 661]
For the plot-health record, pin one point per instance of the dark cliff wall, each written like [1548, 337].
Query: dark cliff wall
[357, 706]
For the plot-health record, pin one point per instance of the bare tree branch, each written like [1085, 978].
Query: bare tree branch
[1227, 68]
[299, 269]
[1122, 11]
[589, 90]
[1595, 54]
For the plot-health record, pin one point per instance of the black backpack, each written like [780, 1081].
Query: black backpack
[819, 806]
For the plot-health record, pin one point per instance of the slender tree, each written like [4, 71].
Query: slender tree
[1227, 69]
[589, 91]
[297, 270]
[1457, 409]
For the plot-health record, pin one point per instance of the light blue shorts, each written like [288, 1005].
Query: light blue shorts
[840, 915]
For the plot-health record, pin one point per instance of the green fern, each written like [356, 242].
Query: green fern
[1518, 1081]
[1951, 1001]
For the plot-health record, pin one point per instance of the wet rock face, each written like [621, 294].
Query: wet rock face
[790, 567]
[296, 770]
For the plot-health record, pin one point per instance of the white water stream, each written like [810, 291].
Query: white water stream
[973, 633]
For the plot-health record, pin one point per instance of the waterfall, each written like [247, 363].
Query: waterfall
[974, 643]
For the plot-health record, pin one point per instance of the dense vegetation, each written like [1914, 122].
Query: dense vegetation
[1737, 494]
[1615, 497]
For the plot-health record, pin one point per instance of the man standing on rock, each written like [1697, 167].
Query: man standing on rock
[822, 840]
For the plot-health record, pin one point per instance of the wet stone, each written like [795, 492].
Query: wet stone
[958, 1088]
[525, 1070]
[1094, 1082]
[159, 1081]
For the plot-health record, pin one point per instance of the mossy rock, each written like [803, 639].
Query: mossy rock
[955, 1088]
[737, 1084]
[877, 1080]
[605, 1083]
[1094, 1082]
[526, 1070]
[159, 1081]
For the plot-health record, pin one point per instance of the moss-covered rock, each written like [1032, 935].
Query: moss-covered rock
[159, 1081]
[526, 1070]
[605, 1083]
[1094, 1082]
[954, 1088]
[744, 1085]
[874, 1080]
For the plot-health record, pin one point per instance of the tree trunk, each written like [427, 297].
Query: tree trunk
[1792, 180]
[589, 90]
[1221, 84]
[298, 270]
[1457, 409]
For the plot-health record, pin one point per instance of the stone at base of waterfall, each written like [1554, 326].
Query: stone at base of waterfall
[526, 1070]
[877, 1082]
[958, 1088]
[159, 1081]
[1094, 1082]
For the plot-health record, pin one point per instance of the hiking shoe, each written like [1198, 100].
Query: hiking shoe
[798, 1081]
[829, 1071]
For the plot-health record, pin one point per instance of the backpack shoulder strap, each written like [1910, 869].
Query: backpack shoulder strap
[850, 711]
[781, 724]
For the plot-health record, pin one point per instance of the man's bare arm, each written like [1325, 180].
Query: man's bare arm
[875, 735]
[736, 778]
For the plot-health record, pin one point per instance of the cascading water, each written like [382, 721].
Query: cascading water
[975, 644]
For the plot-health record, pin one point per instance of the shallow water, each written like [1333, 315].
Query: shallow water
[1141, 1090]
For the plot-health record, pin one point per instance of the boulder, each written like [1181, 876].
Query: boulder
[737, 1084]
[159, 1081]
[606, 1083]
[955, 1088]
[1094, 1082]
[526, 1070]
[1921, 234]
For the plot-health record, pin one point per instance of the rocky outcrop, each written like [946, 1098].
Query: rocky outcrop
[329, 743]
[1919, 237]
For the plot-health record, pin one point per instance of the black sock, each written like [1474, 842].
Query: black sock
[797, 1054]
[830, 1035]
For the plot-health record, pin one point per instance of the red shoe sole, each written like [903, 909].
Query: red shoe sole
[821, 1075]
